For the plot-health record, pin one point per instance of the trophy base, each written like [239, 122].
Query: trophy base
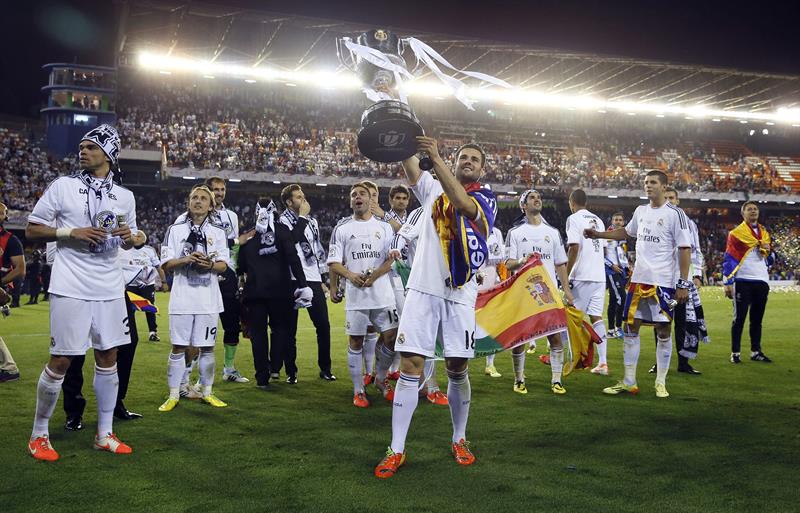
[388, 132]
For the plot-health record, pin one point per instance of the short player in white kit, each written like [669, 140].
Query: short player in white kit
[535, 237]
[659, 280]
[458, 217]
[90, 217]
[196, 252]
[586, 267]
[358, 253]
[489, 278]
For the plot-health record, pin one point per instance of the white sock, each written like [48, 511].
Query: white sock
[354, 366]
[106, 385]
[384, 357]
[602, 347]
[187, 373]
[395, 366]
[459, 395]
[663, 355]
[490, 360]
[207, 364]
[519, 365]
[532, 344]
[175, 372]
[556, 364]
[406, 398]
[429, 372]
[47, 391]
[370, 340]
[630, 356]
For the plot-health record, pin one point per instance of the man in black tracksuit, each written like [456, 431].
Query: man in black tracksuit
[311, 253]
[269, 294]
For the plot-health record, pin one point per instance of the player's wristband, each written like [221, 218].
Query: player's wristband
[683, 284]
[63, 233]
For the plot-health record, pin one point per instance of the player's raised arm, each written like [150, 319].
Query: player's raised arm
[615, 234]
[413, 172]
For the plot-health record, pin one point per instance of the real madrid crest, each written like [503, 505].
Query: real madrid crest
[378, 235]
[381, 35]
[105, 220]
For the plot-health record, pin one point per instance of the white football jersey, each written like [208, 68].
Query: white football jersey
[590, 264]
[194, 292]
[226, 220]
[526, 239]
[659, 233]
[430, 273]
[139, 266]
[78, 272]
[361, 246]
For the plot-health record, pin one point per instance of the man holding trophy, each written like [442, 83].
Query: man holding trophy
[442, 287]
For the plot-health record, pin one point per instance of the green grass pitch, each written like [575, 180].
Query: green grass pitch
[726, 441]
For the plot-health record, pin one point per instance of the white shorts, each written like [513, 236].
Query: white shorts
[427, 318]
[78, 324]
[196, 330]
[382, 319]
[649, 311]
[589, 296]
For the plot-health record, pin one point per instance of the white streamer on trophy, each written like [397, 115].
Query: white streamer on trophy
[428, 57]
[379, 59]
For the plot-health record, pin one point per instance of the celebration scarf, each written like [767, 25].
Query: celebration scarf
[99, 207]
[639, 291]
[741, 241]
[692, 330]
[462, 243]
[265, 227]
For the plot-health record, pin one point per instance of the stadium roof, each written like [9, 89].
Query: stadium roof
[219, 34]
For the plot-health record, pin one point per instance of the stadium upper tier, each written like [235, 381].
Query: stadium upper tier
[271, 131]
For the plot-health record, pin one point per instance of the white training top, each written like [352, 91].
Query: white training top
[361, 246]
[590, 264]
[78, 272]
[526, 239]
[659, 233]
[139, 266]
[753, 268]
[194, 292]
[430, 273]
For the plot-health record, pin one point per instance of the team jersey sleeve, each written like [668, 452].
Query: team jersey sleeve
[559, 255]
[169, 249]
[44, 212]
[426, 187]
[633, 224]
[154, 261]
[388, 238]
[336, 247]
[130, 215]
[683, 237]
[574, 234]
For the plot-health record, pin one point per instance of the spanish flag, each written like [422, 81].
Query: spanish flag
[741, 241]
[141, 304]
[527, 305]
[582, 338]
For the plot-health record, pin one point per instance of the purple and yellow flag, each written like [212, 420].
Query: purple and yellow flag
[141, 304]
[527, 305]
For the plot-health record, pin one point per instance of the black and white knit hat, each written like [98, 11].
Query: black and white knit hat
[107, 138]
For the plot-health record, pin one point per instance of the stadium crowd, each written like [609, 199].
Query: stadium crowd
[260, 131]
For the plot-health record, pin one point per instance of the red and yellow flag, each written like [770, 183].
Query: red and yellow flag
[525, 306]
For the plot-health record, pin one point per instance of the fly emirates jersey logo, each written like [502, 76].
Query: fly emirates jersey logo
[651, 230]
[363, 249]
